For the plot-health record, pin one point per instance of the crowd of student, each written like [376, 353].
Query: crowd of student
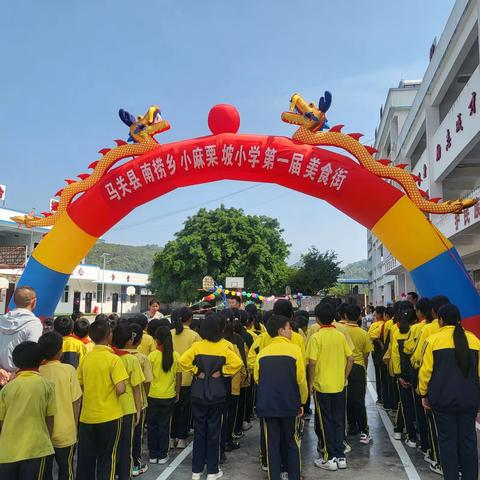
[88, 391]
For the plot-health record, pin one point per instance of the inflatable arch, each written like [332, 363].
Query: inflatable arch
[394, 218]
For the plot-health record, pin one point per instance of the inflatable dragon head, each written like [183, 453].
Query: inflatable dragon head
[147, 125]
[308, 115]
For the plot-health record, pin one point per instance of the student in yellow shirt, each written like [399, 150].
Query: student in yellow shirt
[27, 406]
[183, 338]
[147, 344]
[423, 310]
[375, 334]
[387, 383]
[449, 384]
[330, 363]
[80, 331]
[102, 376]
[209, 360]
[164, 392]
[282, 390]
[403, 372]
[73, 349]
[68, 395]
[131, 400]
[246, 400]
[138, 466]
[357, 381]
[428, 330]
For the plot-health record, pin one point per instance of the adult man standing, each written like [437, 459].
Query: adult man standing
[18, 325]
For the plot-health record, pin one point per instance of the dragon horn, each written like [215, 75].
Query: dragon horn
[325, 102]
[126, 117]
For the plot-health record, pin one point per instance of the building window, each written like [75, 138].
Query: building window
[65, 294]
[99, 293]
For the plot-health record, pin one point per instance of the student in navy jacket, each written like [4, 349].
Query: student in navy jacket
[281, 391]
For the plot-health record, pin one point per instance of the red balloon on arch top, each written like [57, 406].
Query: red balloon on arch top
[223, 118]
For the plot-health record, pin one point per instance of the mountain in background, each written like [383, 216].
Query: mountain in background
[128, 258]
[356, 270]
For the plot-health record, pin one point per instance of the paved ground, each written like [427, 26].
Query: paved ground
[384, 458]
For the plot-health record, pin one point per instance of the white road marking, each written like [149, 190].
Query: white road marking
[408, 465]
[176, 462]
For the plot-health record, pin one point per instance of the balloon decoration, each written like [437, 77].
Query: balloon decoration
[90, 206]
[219, 292]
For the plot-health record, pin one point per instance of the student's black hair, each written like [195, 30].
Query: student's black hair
[283, 307]
[450, 315]
[266, 316]
[228, 329]
[27, 355]
[80, 327]
[113, 319]
[77, 315]
[352, 312]
[380, 310]
[63, 325]
[254, 315]
[141, 320]
[49, 345]
[300, 313]
[48, 325]
[99, 330]
[424, 306]
[163, 336]
[370, 308]
[243, 318]
[121, 335]
[438, 301]
[325, 313]
[294, 325]
[302, 321]
[210, 328]
[154, 324]
[195, 325]
[341, 311]
[389, 311]
[400, 307]
[413, 295]
[101, 316]
[406, 318]
[179, 317]
[275, 323]
[153, 301]
[137, 334]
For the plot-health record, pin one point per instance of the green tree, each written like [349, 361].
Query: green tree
[224, 242]
[316, 272]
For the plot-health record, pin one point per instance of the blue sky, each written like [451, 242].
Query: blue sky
[67, 67]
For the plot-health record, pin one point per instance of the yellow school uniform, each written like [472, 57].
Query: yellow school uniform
[375, 330]
[411, 342]
[164, 383]
[181, 343]
[329, 349]
[67, 391]
[265, 339]
[73, 345]
[239, 377]
[429, 329]
[135, 378]
[441, 379]
[146, 367]
[395, 359]
[362, 343]
[98, 373]
[24, 404]
[147, 345]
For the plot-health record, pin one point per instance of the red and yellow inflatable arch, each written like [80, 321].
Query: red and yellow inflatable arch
[434, 264]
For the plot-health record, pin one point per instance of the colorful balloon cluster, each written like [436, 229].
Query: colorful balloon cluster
[246, 296]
